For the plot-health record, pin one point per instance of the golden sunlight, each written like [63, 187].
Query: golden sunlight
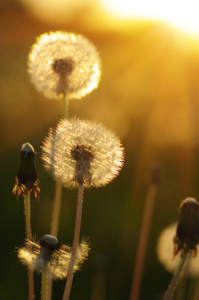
[183, 14]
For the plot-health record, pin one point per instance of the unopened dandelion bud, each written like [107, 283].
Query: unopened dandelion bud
[64, 64]
[48, 255]
[82, 152]
[165, 252]
[187, 234]
[27, 173]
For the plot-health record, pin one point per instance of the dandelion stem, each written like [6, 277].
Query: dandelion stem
[142, 245]
[176, 277]
[57, 200]
[58, 186]
[55, 224]
[75, 243]
[29, 237]
[66, 107]
[44, 286]
[56, 208]
[27, 214]
[196, 291]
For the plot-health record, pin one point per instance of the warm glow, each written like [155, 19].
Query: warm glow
[58, 11]
[182, 13]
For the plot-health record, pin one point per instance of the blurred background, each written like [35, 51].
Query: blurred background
[148, 95]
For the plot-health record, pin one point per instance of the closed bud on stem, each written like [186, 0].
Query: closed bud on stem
[27, 174]
[187, 234]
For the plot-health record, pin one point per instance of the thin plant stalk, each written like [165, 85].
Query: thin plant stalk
[44, 286]
[142, 245]
[57, 200]
[196, 291]
[56, 208]
[58, 185]
[29, 237]
[65, 107]
[168, 295]
[75, 243]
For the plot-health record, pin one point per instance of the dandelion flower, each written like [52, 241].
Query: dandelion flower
[64, 64]
[165, 249]
[50, 256]
[82, 152]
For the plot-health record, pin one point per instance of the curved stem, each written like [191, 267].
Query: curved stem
[29, 237]
[75, 243]
[176, 277]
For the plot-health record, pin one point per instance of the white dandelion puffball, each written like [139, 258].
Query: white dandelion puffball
[165, 252]
[64, 64]
[52, 258]
[82, 152]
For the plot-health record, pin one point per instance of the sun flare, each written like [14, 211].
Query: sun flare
[183, 14]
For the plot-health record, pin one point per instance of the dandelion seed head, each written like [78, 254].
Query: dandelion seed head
[50, 256]
[82, 151]
[165, 247]
[64, 64]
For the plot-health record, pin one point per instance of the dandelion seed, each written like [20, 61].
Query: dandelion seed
[51, 256]
[27, 174]
[64, 64]
[82, 152]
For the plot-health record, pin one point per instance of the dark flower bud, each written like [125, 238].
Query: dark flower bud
[27, 174]
[187, 234]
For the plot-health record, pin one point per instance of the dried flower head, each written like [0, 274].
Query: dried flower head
[64, 64]
[166, 256]
[187, 234]
[27, 173]
[82, 152]
[50, 256]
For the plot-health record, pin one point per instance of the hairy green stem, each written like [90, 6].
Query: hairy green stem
[29, 237]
